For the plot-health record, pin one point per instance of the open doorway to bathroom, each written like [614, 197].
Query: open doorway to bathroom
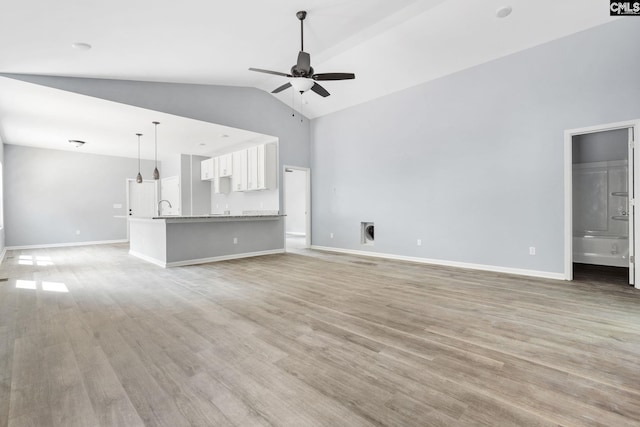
[297, 202]
[600, 216]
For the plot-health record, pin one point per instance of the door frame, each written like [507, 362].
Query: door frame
[568, 187]
[307, 204]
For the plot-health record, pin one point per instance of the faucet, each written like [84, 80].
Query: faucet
[160, 203]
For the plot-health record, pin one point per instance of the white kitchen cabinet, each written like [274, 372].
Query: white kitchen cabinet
[261, 167]
[255, 161]
[225, 165]
[239, 177]
[207, 170]
[219, 185]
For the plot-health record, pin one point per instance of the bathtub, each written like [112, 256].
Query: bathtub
[601, 250]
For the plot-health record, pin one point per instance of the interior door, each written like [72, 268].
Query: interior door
[632, 208]
[142, 199]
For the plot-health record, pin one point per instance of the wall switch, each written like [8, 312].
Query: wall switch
[226, 206]
[117, 206]
[419, 242]
[235, 240]
[77, 232]
[532, 250]
[331, 235]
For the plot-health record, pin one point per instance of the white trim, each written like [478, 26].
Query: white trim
[64, 245]
[457, 264]
[568, 184]
[2, 254]
[307, 207]
[148, 259]
[204, 260]
[293, 233]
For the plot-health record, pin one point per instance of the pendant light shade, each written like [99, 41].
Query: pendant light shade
[139, 177]
[156, 173]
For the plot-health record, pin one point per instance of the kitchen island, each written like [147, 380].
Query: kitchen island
[172, 241]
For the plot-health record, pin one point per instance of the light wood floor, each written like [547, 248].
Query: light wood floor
[294, 340]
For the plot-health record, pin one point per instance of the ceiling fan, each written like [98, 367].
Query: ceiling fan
[302, 78]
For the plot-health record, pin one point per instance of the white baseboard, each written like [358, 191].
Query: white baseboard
[483, 267]
[147, 258]
[295, 233]
[204, 260]
[65, 245]
[2, 254]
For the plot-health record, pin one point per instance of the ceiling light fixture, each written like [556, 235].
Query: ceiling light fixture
[139, 177]
[301, 84]
[77, 142]
[81, 46]
[156, 173]
[504, 11]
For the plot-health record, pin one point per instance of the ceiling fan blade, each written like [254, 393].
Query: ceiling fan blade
[281, 88]
[333, 76]
[320, 90]
[304, 61]
[276, 73]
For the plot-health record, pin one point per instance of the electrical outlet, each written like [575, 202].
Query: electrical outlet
[331, 235]
[419, 242]
[532, 250]
[235, 240]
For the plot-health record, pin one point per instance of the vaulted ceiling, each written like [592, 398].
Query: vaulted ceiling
[389, 45]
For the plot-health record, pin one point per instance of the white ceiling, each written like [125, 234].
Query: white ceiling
[389, 45]
[40, 116]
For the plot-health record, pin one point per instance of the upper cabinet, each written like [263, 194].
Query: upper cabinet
[225, 165]
[261, 167]
[239, 177]
[207, 170]
[254, 168]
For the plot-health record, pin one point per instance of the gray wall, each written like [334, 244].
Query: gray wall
[200, 190]
[49, 194]
[601, 146]
[195, 193]
[245, 108]
[185, 184]
[472, 163]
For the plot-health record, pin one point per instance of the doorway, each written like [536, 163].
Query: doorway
[599, 200]
[297, 207]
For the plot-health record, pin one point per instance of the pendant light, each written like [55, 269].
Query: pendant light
[156, 173]
[139, 177]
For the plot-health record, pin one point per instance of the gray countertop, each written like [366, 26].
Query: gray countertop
[215, 216]
[208, 218]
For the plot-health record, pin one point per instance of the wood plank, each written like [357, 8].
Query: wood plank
[315, 339]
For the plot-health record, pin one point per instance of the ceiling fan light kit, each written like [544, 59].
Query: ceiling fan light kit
[301, 84]
[302, 76]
